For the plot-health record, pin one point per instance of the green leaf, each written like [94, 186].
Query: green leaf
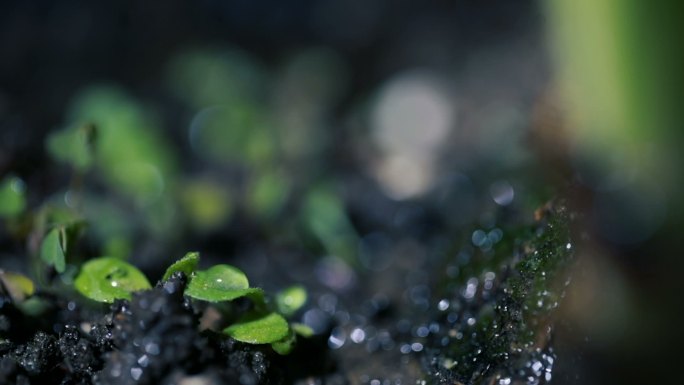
[220, 283]
[325, 217]
[35, 306]
[12, 199]
[18, 286]
[285, 345]
[140, 169]
[268, 193]
[187, 265]
[259, 329]
[73, 145]
[106, 279]
[302, 329]
[290, 300]
[207, 203]
[53, 248]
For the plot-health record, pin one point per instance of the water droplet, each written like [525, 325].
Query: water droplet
[358, 335]
[443, 305]
[152, 348]
[479, 238]
[495, 235]
[471, 288]
[136, 373]
[337, 338]
[536, 366]
[143, 360]
[416, 346]
[70, 198]
[502, 192]
[505, 381]
[422, 331]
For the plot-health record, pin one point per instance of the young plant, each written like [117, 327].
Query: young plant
[106, 279]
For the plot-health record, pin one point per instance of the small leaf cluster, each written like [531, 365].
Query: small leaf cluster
[106, 279]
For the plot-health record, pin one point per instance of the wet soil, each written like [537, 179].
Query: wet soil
[470, 311]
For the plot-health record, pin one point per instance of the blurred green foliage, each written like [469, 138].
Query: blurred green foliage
[207, 203]
[53, 249]
[17, 285]
[122, 137]
[12, 197]
[126, 180]
[290, 299]
[620, 84]
[324, 216]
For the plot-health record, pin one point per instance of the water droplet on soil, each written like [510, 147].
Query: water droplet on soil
[136, 373]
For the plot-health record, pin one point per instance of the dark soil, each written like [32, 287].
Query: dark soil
[152, 339]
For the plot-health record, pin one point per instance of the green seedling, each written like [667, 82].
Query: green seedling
[106, 279]
[187, 265]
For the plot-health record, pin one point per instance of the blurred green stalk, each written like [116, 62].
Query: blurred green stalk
[619, 68]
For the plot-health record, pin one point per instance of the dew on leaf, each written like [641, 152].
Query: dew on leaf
[107, 278]
[187, 265]
[220, 283]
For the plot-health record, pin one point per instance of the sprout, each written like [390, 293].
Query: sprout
[259, 329]
[187, 265]
[106, 279]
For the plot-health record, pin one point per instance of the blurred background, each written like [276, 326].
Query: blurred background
[335, 135]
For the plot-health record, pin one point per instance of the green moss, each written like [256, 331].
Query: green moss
[511, 324]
